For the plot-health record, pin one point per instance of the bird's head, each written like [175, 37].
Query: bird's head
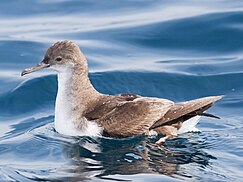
[62, 56]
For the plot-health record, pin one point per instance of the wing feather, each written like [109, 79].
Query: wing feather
[183, 108]
[129, 118]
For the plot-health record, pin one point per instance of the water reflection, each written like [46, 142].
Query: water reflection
[34, 142]
[102, 157]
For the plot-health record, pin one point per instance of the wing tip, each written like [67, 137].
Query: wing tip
[216, 98]
[209, 99]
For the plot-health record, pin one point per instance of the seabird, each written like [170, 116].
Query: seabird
[80, 110]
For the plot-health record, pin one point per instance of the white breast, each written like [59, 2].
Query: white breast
[64, 118]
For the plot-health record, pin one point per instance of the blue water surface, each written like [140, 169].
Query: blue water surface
[178, 50]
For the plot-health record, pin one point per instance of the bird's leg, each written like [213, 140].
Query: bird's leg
[170, 132]
[163, 139]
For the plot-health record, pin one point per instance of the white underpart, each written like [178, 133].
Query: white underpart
[189, 125]
[64, 118]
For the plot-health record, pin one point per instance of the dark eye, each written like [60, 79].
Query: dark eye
[58, 58]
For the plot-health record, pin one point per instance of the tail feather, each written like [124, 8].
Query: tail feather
[189, 125]
[208, 115]
[183, 111]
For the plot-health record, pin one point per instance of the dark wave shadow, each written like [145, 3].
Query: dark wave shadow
[38, 94]
[197, 34]
[31, 95]
[107, 157]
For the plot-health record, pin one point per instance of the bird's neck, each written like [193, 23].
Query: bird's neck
[75, 97]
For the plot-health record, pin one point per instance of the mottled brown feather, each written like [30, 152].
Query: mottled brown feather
[127, 115]
[106, 104]
[184, 108]
[121, 116]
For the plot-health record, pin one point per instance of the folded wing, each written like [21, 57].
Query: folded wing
[129, 118]
[185, 110]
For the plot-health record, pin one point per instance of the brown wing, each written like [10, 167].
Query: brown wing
[107, 104]
[129, 118]
[184, 108]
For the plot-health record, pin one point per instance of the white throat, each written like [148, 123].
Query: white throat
[64, 116]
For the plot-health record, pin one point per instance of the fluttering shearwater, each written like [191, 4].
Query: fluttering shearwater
[81, 110]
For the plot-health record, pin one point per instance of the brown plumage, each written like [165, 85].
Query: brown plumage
[79, 105]
[128, 115]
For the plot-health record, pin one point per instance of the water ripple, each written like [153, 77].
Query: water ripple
[178, 50]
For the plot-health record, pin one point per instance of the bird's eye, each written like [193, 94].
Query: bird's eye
[58, 58]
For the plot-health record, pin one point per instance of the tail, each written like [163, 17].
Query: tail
[189, 125]
[189, 111]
